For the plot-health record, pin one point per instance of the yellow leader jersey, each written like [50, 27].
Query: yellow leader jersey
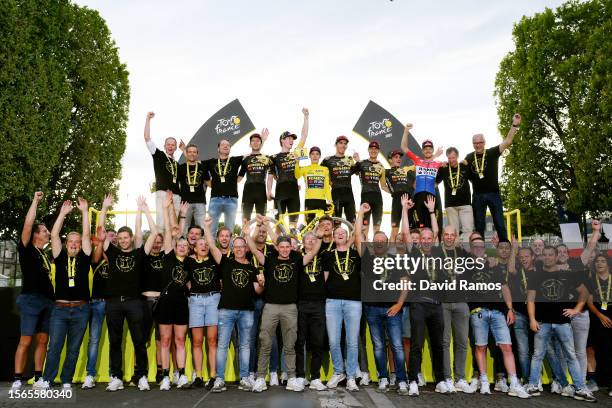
[316, 178]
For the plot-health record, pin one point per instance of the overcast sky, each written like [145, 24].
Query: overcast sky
[429, 63]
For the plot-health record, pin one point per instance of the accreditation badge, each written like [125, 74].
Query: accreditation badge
[604, 306]
[312, 277]
[192, 189]
[222, 179]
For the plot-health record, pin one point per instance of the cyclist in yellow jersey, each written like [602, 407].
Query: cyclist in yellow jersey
[316, 177]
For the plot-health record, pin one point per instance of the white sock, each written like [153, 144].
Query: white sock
[484, 378]
[513, 380]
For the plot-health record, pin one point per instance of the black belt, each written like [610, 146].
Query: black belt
[204, 294]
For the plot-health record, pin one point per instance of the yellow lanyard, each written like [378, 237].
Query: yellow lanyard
[313, 268]
[195, 174]
[198, 260]
[222, 174]
[430, 274]
[480, 169]
[346, 260]
[46, 263]
[451, 271]
[454, 182]
[173, 167]
[71, 267]
[607, 299]
[255, 264]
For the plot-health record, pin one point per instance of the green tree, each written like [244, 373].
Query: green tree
[560, 79]
[64, 97]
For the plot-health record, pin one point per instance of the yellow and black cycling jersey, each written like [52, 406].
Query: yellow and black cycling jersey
[316, 178]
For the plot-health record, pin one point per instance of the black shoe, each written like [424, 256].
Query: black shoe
[198, 383]
[159, 377]
[210, 383]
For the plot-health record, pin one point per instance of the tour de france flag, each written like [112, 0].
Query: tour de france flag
[230, 122]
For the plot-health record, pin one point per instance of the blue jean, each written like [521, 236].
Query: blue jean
[70, 323]
[378, 320]
[197, 212]
[349, 312]
[227, 319]
[96, 319]
[480, 202]
[226, 206]
[275, 354]
[490, 320]
[564, 334]
[521, 332]
[580, 327]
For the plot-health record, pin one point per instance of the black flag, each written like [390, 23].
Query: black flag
[377, 124]
[231, 122]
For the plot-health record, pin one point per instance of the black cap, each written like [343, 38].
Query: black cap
[257, 135]
[315, 149]
[394, 152]
[374, 144]
[340, 138]
[427, 143]
[287, 134]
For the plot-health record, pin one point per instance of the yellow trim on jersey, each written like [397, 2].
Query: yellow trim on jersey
[314, 170]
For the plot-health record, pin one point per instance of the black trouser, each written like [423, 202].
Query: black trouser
[603, 352]
[254, 195]
[376, 207]
[396, 208]
[421, 212]
[147, 318]
[311, 333]
[344, 201]
[288, 205]
[117, 311]
[430, 316]
[313, 204]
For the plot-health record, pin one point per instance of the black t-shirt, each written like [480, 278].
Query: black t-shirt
[427, 271]
[36, 271]
[340, 171]
[125, 271]
[72, 276]
[337, 265]
[555, 291]
[463, 195]
[237, 279]
[486, 299]
[400, 179]
[268, 250]
[518, 284]
[215, 167]
[312, 280]
[166, 172]
[489, 183]
[370, 174]
[283, 168]
[100, 279]
[152, 272]
[602, 294]
[326, 247]
[450, 271]
[256, 167]
[191, 179]
[282, 276]
[174, 276]
[204, 275]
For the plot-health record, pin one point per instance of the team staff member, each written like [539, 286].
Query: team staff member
[166, 171]
[71, 311]
[36, 299]
[255, 166]
[484, 164]
[223, 181]
[123, 302]
[457, 194]
[372, 176]
[316, 177]
[400, 180]
[239, 285]
[426, 170]
[341, 168]
[192, 176]
[287, 194]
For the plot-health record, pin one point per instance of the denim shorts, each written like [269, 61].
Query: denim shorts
[406, 322]
[203, 310]
[493, 320]
[35, 313]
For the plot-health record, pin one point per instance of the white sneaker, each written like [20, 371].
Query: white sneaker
[183, 382]
[260, 385]
[114, 384]
[336, 378]
[422, 381]
[245, 384]
[518, 391]
[165, 384]
[175, 377]
[442, 388]
[568, 391]
[532, 390]
[464, 387]
[365, 379]
[219, 385]
[284, 379]
[351, 385]
[89, 383]
[16, 385]
[317, 385]
[273, 379]
[475, 384]
[592, 386]
[501, 385]
[555, 387]
[383, 385]
[67, 386]
[485, 389]
[295, 384]
[194, 375]
[392, 380]
[413, 389]
[450, 386]
[306, 382]
[403, 388]
[41, 384]
[252, 378]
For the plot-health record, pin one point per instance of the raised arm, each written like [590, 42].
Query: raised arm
[431, 206]
[304, 133]
[212, 245]
[26, 231]
[56, 241]
[364, 208]
[102, 244]
[83, 206]
[513, 254]
[251, 243]
[516, 122]
[106, 204]
[271, 233]
[147, 133]
[404, 142]
[167, 225]
[585, 256]
[182, 215]
[153, 230]
[138, 224]
[407, 204]
[309, 255]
